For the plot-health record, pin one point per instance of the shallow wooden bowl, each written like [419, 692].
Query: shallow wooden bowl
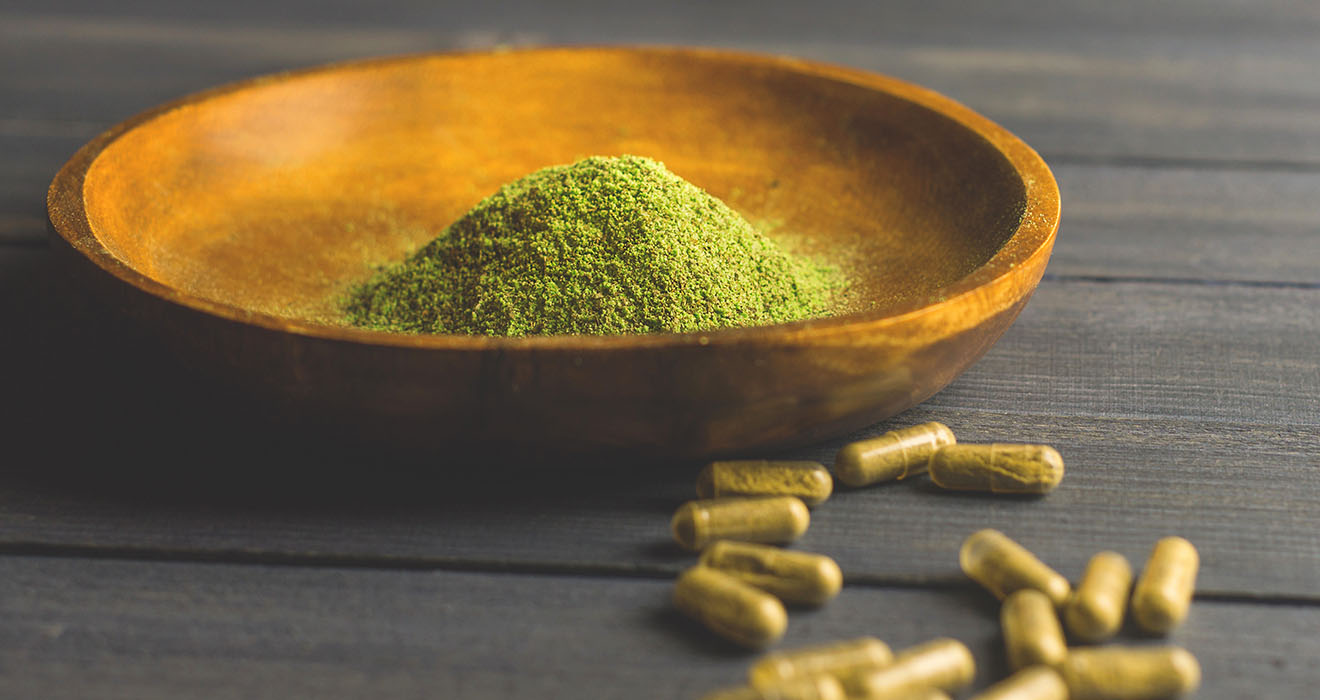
[231, 221]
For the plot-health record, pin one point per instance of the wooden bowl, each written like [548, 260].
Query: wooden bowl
[231, 221]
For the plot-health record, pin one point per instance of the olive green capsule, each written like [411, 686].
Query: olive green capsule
[998, 468]
[759, 519]
[1035, 683]
[729, 607]
[809, 481]
[1129, 673]
[1032, 634]
[842, 660]
[805, 688]
[895, 455]
[1164, 589]
[793, 577]
[1003, 566]
[944, 664]
[1095, 612]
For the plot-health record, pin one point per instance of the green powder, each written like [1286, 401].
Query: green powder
[605, 245]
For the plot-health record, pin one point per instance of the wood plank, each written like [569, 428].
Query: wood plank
[76, 628]
[1189, 224]
[1179, 409]
[1072, 81]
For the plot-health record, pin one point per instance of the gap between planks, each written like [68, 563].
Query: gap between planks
[523, 568]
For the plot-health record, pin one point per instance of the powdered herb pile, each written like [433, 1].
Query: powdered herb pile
[605, 245]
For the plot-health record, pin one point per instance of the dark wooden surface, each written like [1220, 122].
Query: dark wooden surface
[1170, 354]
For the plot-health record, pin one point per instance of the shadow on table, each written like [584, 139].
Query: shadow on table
[93, 407]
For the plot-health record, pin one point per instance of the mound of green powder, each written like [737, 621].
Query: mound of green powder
[601, 246]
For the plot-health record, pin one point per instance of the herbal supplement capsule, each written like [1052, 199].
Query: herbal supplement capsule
[793, 577]
[729, 607]
[809, 481]
[1003, 566]
[998, 468]
[895, 455]
[944, 664]
[841, 660]
[1035, 683]
[807, 688]
[1032, 635]
[1164, 589]
[1095, 612]
[1129, 673]
[762, 519]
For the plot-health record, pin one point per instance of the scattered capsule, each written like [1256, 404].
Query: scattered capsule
[998, 468]
[1164, 589]
[841, 660]
[760, 519]
[1003, 566]
[895, 455]
[729, 607]
[1035, 683]
[944, 664]
[793, 577]
[809, 481]
[1032, 635]
[1129, 673]
[1095, 612]
[805, 688]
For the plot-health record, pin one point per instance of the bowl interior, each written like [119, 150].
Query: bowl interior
[273, 198]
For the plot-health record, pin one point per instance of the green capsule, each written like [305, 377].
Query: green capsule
[944, 664]
[1003, 566]
[1095, 611]
[842, 660]
[1032, 634]
[809, 481]
[792, 576]
[997, 468]
[895, 455]
[729, 607]
[769, 519]
[1164, 590]
[1129, 673]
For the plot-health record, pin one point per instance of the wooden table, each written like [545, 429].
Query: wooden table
[156, 543]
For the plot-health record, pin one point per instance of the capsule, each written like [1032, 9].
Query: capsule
[1164, 589]
[760, 519]
[1003, 566]
[1035, 683]
[1095, 612]
[895, 455]
[729, 607]
[793, 577]
[1129, 673]
[841, 660]
[809, 481]
[944, 664]
[805, 688]
[1032, 635]
[997, 468]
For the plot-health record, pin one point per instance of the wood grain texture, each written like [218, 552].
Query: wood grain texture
[1073, 80]
[76, 628]
[1188, 224]
[1158, 437]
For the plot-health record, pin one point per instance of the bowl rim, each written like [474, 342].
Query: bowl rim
[1034, 236]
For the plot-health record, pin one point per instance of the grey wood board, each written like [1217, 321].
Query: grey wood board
[80, 628]
[1179, 409]
[1089, 84]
